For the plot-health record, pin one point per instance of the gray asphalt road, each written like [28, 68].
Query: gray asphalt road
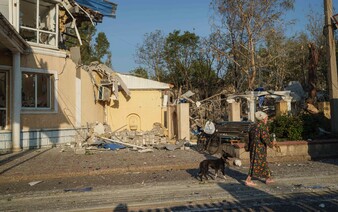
[162, 186]
[300, 189]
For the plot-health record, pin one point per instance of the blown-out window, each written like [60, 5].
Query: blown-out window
[37, 90]
[38, 22]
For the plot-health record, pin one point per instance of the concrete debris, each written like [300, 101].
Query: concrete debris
[99, 135]
[88, 136]
[238, 162]
[188, 94]
[158, 135]
[117, 140]
[160, 146]
[99, 129]
[145, 150]
[85, 189]
[110, 81]
[171, 147]
[92, 148]
[178, 145]
[34, 183]
[79, 151]
[185, 148]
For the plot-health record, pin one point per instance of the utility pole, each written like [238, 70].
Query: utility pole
[332, 67]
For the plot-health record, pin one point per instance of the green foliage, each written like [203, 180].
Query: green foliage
[101, 47]
[303, 126]
[290, 127]
[310, 125]
[108, 61]
[140, 72]
[91, 51]
[204, 78]
[180, 52]
[87, 32]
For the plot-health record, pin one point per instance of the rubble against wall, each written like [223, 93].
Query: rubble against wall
[153, 137]
[98, 134]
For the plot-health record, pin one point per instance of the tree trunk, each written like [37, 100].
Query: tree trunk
[252, 76]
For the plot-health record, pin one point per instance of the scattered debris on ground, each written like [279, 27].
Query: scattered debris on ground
[85, 189]
[34, 183]
[99, 136]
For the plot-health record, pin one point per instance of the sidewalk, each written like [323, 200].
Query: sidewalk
[63, 162]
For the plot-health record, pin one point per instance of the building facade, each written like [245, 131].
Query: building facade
[45, 97]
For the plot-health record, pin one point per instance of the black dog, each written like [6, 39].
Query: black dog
[216, 164]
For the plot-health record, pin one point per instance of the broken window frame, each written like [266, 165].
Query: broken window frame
[33, 101]
[41, 37]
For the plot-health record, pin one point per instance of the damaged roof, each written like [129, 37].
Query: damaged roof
[138, 83]
[103, 7]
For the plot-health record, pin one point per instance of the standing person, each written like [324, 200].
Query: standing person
[258, 150]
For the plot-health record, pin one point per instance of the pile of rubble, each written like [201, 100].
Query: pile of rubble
[158, 135]
[99, 135]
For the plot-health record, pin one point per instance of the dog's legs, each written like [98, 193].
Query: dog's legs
[201, 174]
[216, 171]
[223, 174]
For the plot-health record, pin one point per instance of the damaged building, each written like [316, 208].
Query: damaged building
[137, 110]
[48, 98]
[44, 94]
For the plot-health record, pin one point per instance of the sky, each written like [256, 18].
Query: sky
[135, 18]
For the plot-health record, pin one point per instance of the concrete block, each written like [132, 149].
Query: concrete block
[183, 121]
[281, 108]
[235, 111]
[80, 151]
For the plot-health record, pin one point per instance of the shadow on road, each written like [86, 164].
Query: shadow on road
[260, 198]
[23, 154]
[258, 202]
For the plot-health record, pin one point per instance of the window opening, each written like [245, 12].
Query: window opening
[37, 90]
[38, 22]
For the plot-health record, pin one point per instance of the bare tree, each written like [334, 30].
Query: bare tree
[246, 24]
[150, 53]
